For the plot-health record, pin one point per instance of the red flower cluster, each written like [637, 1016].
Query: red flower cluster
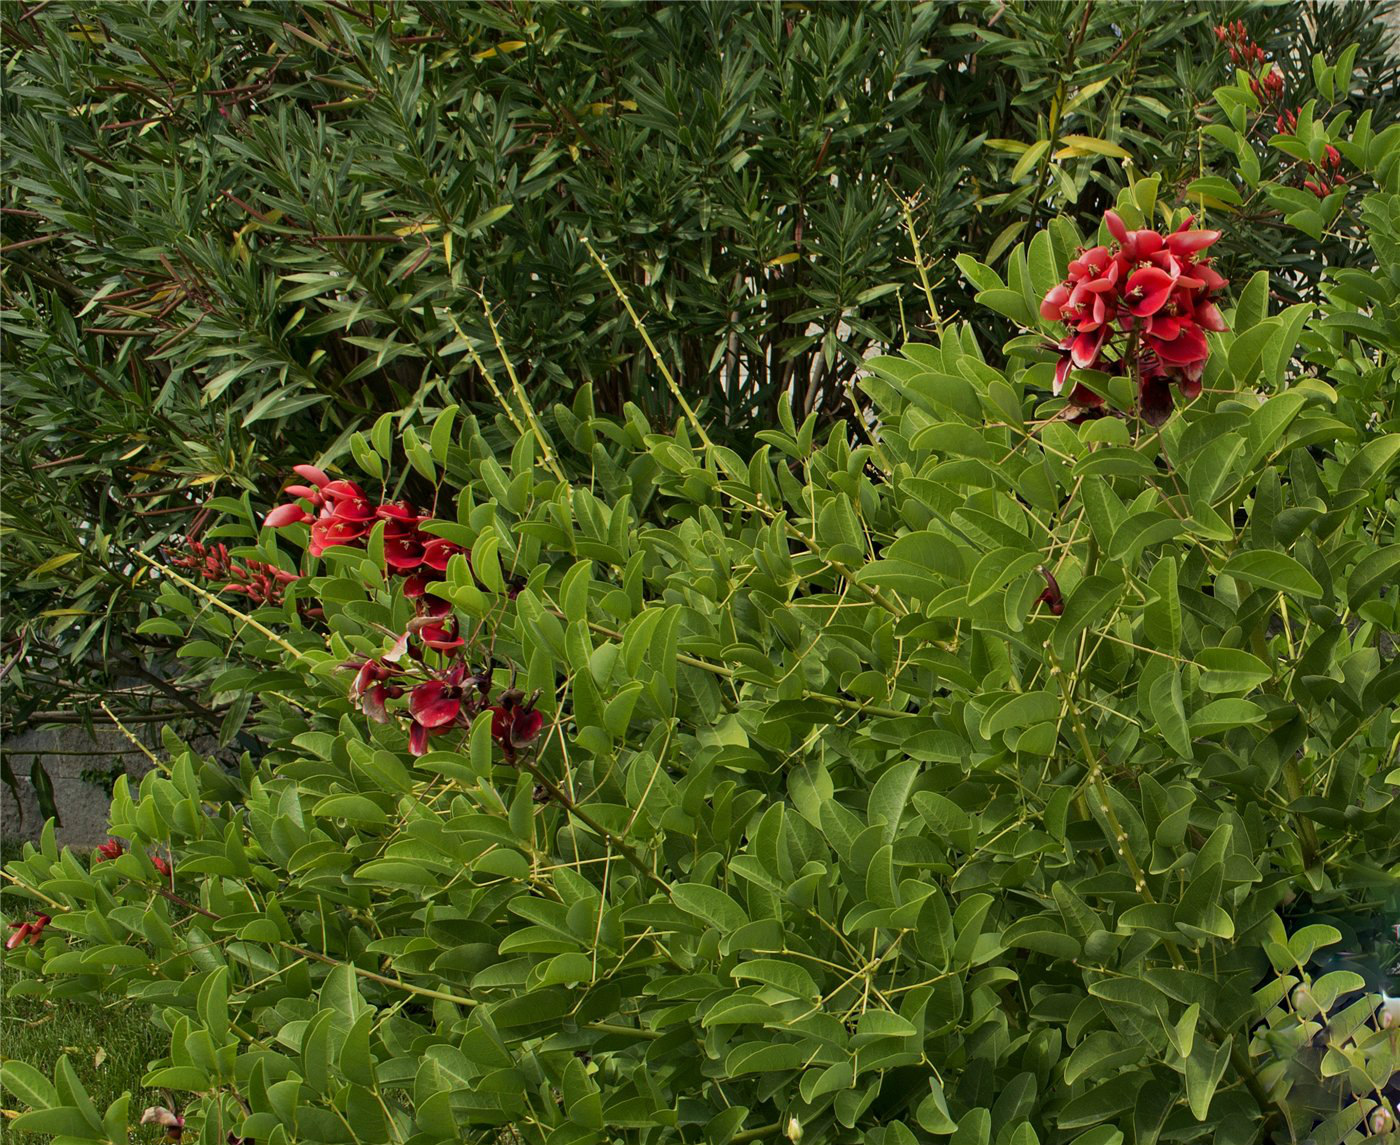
[429, 662]
[27, 932]
[1265, 81]
[444, 695]
[260, 582]
[1326, 177]
[344, 516]
[1144, 305]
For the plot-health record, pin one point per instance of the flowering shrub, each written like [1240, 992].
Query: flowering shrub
[259, 581]
[1012, 776]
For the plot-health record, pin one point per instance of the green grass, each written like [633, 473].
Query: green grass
[108, 1045]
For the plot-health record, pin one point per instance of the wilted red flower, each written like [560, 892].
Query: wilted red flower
[172, 1123]
[1052, 598]
[515, 722]
[369, 691]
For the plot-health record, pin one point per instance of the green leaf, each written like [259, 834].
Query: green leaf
[1372, 574]
[1029, 158]
[710, 904]
[356, 1062]
[1093, 145]
[1223, 715]
[28, 1084]
[573, 592]
[1274, 570]
[64, 1121]
[178, 1077]
[1253, 303]
[788, 977]
[1204, 1069]
[1371, 461]
[1307, 941]
[890, 796]
[354, 808]
[1170, 712]
[1231, 670]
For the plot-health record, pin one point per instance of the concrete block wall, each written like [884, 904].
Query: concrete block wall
[67, 752]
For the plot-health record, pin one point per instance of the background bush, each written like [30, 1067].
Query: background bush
[237, 233]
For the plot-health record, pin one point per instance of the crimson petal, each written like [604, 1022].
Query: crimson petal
[430, 707]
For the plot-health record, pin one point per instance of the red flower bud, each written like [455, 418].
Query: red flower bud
[1052, 598]
[283, 515]
[316, 476]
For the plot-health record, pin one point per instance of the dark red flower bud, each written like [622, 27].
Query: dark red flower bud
[162, 866]
[1052, 598]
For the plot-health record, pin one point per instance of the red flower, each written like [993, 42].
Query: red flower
[316, 476]
[326, 531]
[434, 704]
[355, 510]
[27, 932]
[166, 869]
[437, 551]
[1147, 290]
[398, 511]
[515, 724]
[403, 553]
[336, 490]
[111, 849]
[1053, 305]
[419, 734]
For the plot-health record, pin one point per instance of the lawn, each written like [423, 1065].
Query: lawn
[109, 1046]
